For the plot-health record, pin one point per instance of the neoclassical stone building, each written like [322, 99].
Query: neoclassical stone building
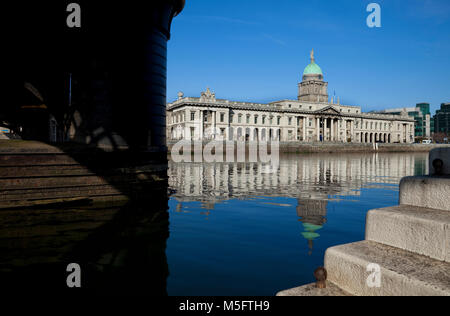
[310, 118]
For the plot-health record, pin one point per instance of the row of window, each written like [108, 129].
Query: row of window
[377, 125]
[367, 125]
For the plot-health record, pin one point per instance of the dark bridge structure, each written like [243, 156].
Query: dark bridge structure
[104, 82]
[90, 104]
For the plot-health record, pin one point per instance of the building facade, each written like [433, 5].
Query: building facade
[310, 118]
[442, 119]
[424, 124]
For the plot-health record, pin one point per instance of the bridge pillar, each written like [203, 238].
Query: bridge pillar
[128, 69]
[104, 82]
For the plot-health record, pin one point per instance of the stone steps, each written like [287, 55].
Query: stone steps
[403, 273]
[427, 192]
[419, 230]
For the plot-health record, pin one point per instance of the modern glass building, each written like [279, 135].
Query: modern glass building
[442, 119]
[424, 123]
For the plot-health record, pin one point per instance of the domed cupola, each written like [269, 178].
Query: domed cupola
[313, 88]
[313, 71]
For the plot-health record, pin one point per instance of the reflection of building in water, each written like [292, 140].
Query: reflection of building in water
[314, 177]
[207, 205]
[312, 214]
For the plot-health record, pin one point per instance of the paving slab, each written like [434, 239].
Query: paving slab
[312, 290]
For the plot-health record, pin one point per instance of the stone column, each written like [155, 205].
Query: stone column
[325, 129]
[304, 129]
[338, 136]
[344, 131]
[402, 133]
[201, 125]
[332, 130]
[352, 131]
[336, 129]
[318, 129]
[405, 139]
[214, 124]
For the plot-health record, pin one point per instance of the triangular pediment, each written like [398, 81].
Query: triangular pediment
[329, 110]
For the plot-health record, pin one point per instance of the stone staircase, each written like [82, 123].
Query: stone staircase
[407, 247]
[34, 174]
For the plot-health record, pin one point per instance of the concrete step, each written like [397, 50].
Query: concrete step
[402, 273]
[428, 192]
[420, 230]
[312, 290]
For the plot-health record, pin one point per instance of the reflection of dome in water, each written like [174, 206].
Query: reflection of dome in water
[312, 215]
[310, 231]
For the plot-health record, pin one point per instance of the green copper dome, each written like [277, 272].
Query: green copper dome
[313, 69]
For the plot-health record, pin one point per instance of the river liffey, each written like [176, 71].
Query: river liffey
[235, 230]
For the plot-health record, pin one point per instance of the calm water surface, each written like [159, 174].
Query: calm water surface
[235, 231]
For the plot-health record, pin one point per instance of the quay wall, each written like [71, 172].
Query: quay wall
[294, 147]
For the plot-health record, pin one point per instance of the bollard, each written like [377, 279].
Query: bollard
[438, 166]
[321, 276]
[439, 162]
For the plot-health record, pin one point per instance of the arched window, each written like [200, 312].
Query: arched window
[247, 134]
[256, 135]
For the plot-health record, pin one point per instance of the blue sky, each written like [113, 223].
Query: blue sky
[256, 51]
